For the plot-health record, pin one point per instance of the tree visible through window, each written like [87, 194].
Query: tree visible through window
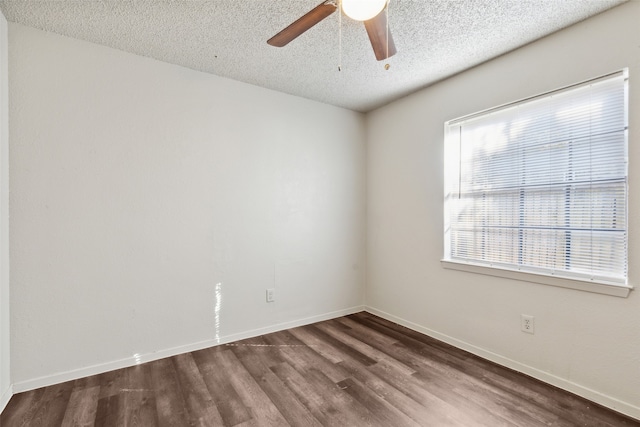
[540, 186]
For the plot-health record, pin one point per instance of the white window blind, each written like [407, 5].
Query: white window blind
[540, 186]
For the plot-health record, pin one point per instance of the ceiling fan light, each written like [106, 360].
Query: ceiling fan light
[363, 10]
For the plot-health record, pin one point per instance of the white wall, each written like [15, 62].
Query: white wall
[585, 342]
[152, 206]
[5, 377]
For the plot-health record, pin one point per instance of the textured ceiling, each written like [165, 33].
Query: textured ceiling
[435, 39]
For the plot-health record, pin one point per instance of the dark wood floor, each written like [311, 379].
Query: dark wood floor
[357, 370]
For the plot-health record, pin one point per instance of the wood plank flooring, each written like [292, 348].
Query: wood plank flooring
[357, 370]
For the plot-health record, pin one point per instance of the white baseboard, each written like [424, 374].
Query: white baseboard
[595, 396]
[4, 399]
[61, 377]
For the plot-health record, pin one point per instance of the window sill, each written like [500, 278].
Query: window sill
[598, 288]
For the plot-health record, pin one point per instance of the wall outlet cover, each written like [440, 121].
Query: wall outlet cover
[527, 323]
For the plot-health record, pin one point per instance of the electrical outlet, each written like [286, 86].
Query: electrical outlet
[526, 323]
[271, 295]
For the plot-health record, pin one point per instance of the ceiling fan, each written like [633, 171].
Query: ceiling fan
[371, 12]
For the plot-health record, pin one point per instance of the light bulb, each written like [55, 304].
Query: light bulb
[363, 10]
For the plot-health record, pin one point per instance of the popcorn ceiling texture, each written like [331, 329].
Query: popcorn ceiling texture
[435, 39]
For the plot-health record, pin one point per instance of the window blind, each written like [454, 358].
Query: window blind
[541, 185]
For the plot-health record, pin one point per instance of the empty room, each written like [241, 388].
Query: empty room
[306, 213]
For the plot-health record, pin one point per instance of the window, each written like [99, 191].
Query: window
[540, 186]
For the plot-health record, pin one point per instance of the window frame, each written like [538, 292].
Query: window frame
[577, 282]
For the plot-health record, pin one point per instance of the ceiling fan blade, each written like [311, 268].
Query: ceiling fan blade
[307, 21]
[380, 36]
